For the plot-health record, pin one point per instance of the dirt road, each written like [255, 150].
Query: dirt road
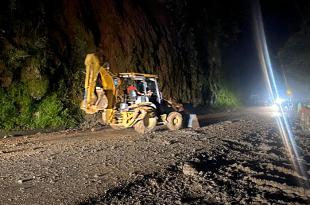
[239, 161]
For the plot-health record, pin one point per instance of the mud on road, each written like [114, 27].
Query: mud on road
[241, 161]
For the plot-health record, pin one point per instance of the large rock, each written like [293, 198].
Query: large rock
[189, 170]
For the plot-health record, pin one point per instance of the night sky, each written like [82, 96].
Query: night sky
[281, 20]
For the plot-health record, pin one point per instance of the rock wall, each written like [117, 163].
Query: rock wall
[44, 43]
[178, 40]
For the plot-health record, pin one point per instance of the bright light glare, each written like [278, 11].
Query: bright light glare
[283, 125]
[276, 114]
[279, 101]
[275, 108]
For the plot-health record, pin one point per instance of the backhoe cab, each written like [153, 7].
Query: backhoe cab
[127, 99]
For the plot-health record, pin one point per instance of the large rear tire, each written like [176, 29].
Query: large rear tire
[174, 121]
[147, 124]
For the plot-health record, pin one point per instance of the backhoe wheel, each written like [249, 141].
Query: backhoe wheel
[174, 121]
[146, 125]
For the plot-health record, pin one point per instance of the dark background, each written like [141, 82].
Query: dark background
[203, 51]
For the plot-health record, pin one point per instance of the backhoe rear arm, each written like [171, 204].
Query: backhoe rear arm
[93, 69]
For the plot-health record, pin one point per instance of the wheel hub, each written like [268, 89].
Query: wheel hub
[175, 121]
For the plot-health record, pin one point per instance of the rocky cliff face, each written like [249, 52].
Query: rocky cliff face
[44, 43]
[162, 37]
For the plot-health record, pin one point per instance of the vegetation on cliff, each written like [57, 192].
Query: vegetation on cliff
[43, 46]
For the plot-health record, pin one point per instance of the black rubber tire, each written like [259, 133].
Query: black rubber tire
[145, 125]
[174, 121]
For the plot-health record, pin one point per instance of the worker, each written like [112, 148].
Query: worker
[99, 92]
[299, 107]
[106, 65]
[131, 88]
[149, 93]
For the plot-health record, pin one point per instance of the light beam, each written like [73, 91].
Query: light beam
[268, 71]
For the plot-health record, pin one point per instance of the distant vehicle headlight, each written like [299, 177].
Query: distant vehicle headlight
[275, 107]
[279, 101]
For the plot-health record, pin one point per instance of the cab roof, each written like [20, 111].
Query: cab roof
[132, 75]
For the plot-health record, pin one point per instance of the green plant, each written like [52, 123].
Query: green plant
[7, 111]
[37, 87]
[16, 58]
[50, 113]
[18, 110]
[226, 98]
[19, 94]
[15, 108]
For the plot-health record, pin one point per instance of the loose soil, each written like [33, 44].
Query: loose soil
[242, 160]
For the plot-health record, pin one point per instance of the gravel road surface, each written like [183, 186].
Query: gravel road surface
[241, 160]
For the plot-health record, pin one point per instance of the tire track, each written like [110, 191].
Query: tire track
[244, 168]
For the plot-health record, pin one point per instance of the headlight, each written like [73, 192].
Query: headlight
[275, 107]
[279, 101]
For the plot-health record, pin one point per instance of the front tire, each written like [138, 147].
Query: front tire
[174, 121]
[147, 124]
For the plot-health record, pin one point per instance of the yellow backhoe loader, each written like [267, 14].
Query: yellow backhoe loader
[127, 99]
